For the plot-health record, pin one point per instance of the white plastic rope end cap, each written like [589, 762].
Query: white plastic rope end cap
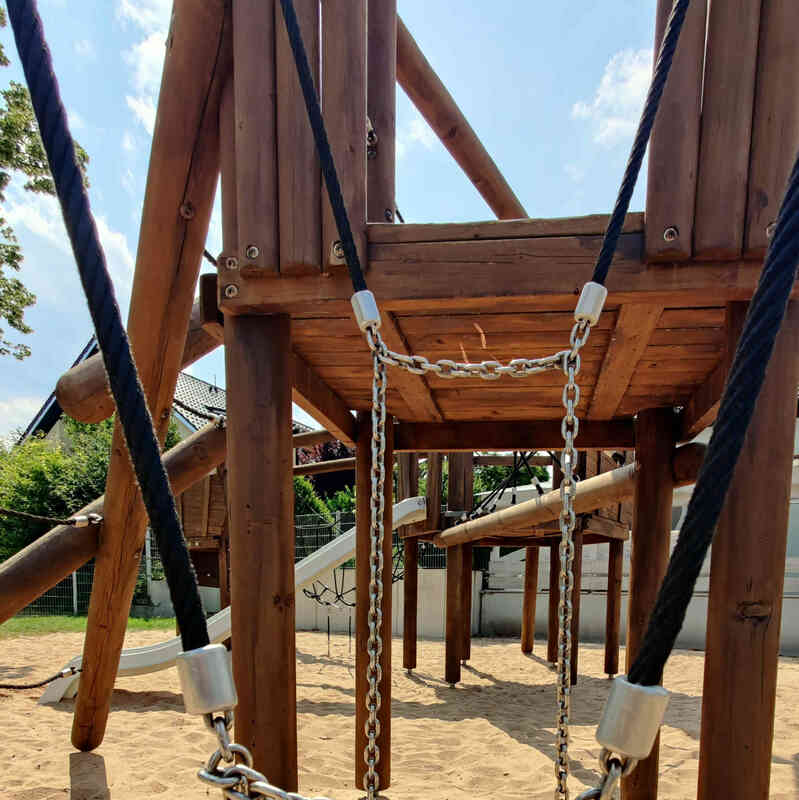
[367, 314]
[632, 718]
[591, 302]
[206, 678]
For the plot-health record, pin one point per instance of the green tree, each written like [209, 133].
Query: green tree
[54, 478]
[307, 501]
[22, 154]
[486, 479]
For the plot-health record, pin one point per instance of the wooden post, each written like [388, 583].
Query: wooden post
[433, 492]
[363, 517]
[261, 507]
[654, 442]
[466, 590]
[577, 571]
[554, 584]
[298, 173]
[454, 619]
[460, 498]
[746, 583]
[409, 487]
[528, 603]
[613, 606]
[181, 181]
[344, 109]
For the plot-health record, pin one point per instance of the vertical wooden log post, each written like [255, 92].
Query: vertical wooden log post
[344, 109]
[409, 487]
[577, 570]
[453, 634]
[613, 606]
[528, 603]
[363, 520]
[654, 442]
[261, 499]
[181, 181]
[554, 584]
[746, 583]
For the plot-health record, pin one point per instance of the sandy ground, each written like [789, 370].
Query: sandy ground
[491, 735]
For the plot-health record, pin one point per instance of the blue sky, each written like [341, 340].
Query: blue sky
[554, 90]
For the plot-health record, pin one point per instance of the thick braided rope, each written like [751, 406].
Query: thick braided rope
[323, 146]
[670, 39]
[763, 320]
[112, 339]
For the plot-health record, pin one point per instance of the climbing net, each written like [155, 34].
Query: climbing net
[765, 315]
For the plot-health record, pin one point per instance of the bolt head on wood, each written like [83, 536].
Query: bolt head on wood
[337, 252]
[231, 291]
[252, 251]
[770, 229]
[231, 262]
[671, 234]
[187, 211]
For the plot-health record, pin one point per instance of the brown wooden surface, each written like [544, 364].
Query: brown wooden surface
[381, 103]
[408, 486]
[312, 438]
[775, 125]
[224, 546]
[320, 467]
[577, 571]
[613, 606]
[554, 592]
[433, 492]
[508, 461]
[437, 106]
[634, 327]
[746, 585]
[460, 497]
[454, 616]
[728, 97]
[183, 171]
[507, 435]
[528, 601]
[655, 435]
[674, 144]
[298, 174]
[344, 110]
[363, 490]
[256, 134]
[261, 504]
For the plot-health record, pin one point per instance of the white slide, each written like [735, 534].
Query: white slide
[141, 660]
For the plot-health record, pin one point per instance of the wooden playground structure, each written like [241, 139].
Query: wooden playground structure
[652, 372]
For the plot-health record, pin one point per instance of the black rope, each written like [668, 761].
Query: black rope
[89, 519]
[667, 48]
[323, 146]
[61, 674]
[123, 378]
[763, 320]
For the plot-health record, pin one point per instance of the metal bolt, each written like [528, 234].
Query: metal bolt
[671, 234]
[187, 211]
[770, 228]
[231, 262]
[252, 251]
[231, 290]
[338, 250]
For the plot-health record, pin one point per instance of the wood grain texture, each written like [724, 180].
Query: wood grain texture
[299, 179]
[746, 585]
[256, 134]
[775, 126]
[261, 500]
[674, 144]
[408, 486]
[613, 606]
[436, 105]
[344, 110]
[554, 591]
[433, 491]
[363, 488]
[634, 328]
[453, 625]
[655, 435]
[577, 571]
[727, 104]
[528, 600]
[460, 497]
[183, 171]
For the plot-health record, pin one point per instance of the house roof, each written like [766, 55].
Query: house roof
[196, 401]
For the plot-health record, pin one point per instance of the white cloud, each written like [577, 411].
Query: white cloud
[575, 172]
[118, 256]
[143, 109]
[17, 412]
[76, 121]
[146, 60]
[128, 142]
[85, 49]
[40, 214]
[417, 131]
[149, 15]
[128, 180]
[616, 106]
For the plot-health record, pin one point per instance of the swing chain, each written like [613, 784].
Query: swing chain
[613, 770]
[570, 364]
[374, 645]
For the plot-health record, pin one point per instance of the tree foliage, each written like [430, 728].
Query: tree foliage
[54, 478]
[21, 154]
[307, 501]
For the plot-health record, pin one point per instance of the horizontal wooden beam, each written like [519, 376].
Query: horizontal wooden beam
[508, 461]
[320, 467]
[468, 437]
[312, 438]
[436, 105]
[597, 492]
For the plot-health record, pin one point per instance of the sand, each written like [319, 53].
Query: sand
[492, 734]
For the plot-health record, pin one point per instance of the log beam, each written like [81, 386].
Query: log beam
[436, 105]
[528, 601]
[613, 606]
[408, 464]
[183, 173]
